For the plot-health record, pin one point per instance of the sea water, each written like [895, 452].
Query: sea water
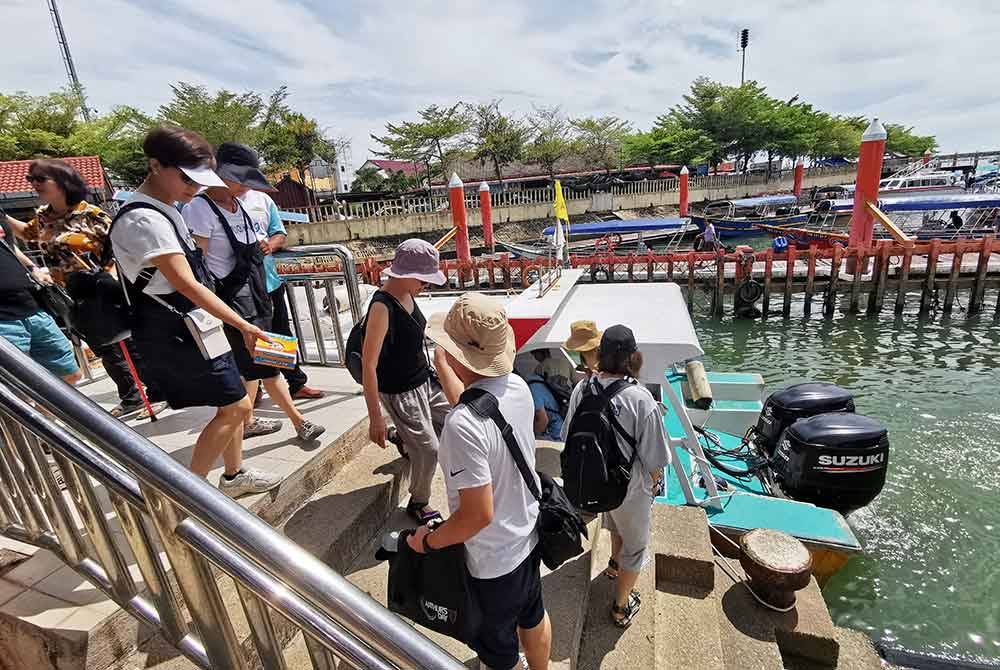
[930, 577]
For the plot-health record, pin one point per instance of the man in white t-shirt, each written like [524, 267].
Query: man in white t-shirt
[492, 511]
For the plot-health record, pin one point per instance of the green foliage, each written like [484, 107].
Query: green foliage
[367, 180]
[220, 117]
[32, 126]
[435, 140]
[601, 139]
[494, 137]
[117, 138]
[550, 141]
[902, 140]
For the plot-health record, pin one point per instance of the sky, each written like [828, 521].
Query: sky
[356, 65]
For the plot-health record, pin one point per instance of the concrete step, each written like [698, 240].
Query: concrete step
[856, 653]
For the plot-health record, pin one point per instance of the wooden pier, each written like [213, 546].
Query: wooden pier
[935, 274]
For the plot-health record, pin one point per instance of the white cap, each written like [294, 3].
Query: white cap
[684, 170]
[484, 187]
[454, 181]
[202, 175]
[874, 132]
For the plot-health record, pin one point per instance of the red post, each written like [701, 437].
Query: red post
[866, 187]
[800, 171]
[684, 191]
[456, 196]
[486, 212]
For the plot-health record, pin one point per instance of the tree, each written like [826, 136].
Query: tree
[117, 138]
[437, 135]
[220, 117]
[367, 180]
[902, 140]
[550, 141]
[702, 111]
[33, 126]
[494, 137]
[600, 139]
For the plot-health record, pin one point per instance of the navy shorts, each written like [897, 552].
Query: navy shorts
[508, 602]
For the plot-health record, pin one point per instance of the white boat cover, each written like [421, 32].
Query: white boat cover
[656, 313]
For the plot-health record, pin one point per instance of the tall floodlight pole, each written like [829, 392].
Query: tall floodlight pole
[74, 81]
[744, 40]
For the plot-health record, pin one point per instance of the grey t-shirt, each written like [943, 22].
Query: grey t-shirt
[642, 418]
[473, 454]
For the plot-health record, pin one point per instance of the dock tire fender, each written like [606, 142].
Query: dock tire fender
[600, 273]
[749, 291]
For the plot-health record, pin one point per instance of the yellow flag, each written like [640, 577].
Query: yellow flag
[560, 205]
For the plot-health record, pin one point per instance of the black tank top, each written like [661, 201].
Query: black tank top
[402, 365]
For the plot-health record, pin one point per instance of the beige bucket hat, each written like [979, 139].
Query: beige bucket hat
[476, 332]
[583, 336]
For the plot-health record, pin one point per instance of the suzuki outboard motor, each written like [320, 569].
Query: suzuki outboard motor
[785, 407]
[835, 460]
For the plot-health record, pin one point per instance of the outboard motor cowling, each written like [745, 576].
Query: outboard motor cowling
[785, 407]
[836, 460]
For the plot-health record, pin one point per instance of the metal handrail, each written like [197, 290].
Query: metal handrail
[197, 527]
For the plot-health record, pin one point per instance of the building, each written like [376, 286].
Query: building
[18, 197]
[386, 167]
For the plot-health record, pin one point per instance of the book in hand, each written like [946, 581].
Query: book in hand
[281, 352]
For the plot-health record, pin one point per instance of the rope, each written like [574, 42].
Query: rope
[727, 567]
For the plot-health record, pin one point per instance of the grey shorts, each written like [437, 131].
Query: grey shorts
[632, 522]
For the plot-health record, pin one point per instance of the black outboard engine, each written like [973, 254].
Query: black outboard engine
[785, 407]
[835, 460]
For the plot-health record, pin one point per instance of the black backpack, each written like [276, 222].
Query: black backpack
[559, 524]
[356, 342]
[595, 473]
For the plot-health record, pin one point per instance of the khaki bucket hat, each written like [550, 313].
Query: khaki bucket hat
[583, 336]
[476, 332]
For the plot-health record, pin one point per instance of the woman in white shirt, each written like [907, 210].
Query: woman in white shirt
[234, 244]
[165, 279]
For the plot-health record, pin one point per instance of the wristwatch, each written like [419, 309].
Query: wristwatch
[428, 549]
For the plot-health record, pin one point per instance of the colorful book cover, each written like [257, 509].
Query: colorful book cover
[281, 352]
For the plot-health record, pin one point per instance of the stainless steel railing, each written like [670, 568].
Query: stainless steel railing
[156, 505]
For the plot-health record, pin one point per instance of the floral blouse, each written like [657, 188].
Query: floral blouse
[61, 255]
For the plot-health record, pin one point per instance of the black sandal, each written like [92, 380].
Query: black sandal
[623, 616]
[612, 565]
[415, 510]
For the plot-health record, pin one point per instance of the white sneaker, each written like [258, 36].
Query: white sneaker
[309, 431]
[248, 482]
[259, 426]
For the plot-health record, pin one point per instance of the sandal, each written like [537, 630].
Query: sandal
[622, 616]
[611, 572]
[418, 512]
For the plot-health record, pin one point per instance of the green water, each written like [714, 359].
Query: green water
[929, 581]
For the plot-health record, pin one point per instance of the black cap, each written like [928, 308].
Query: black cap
[239, 163]
[618, 340]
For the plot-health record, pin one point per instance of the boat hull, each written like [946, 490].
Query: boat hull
[738, 227]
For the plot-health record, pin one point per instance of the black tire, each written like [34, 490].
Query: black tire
[600, 270]
[749, 291]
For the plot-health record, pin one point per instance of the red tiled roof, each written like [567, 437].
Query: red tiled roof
[406, 167]
[12, 173]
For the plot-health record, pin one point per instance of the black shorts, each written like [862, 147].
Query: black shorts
[244, 361]
[508, 602]
[184, 378]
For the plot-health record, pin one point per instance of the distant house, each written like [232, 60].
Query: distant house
[293, 193]
[386, 167]
[17, 196]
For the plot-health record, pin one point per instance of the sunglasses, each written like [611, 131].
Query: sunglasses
[34, 179]
[186, 179]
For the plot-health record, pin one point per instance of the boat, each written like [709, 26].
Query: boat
[703, 436]
[733, 218]
[606, 235]
[918, 183]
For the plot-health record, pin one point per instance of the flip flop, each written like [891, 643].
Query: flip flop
[416, 511]
[622, 616]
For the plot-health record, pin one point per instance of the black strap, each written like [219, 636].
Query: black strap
[398, 304]
[609, 393]
[485, 404]
[251, 226]
[146, 274]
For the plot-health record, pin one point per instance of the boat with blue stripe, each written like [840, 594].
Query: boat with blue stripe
[739, 217]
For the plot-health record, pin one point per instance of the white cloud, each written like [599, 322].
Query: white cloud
[355, 66]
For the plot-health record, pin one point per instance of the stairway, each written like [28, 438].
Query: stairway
[693, 615]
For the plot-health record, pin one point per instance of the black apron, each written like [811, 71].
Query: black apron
[245, 288]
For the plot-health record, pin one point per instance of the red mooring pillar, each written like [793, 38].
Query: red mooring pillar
[684, 191]
[866, 185]
[486, 212]
[800, 172]
[456, 197]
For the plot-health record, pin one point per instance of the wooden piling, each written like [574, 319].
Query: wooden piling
[877, 297]
[810, 280]
[979, 287]
[718, 298]
[690, 296]
[860, 263]
[491, 282]
[830, 300]
[931, 271]
[956, 268]
[505, 272]
[904, 277]
[649, 267]
[670, 267]
[768, 265]
[786, 309]
[524, 273]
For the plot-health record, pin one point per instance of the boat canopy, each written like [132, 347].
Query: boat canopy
[924, 203]
[656, 313]
[621, 227]
[765, 200]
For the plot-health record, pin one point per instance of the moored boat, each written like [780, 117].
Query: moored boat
[740, 217]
